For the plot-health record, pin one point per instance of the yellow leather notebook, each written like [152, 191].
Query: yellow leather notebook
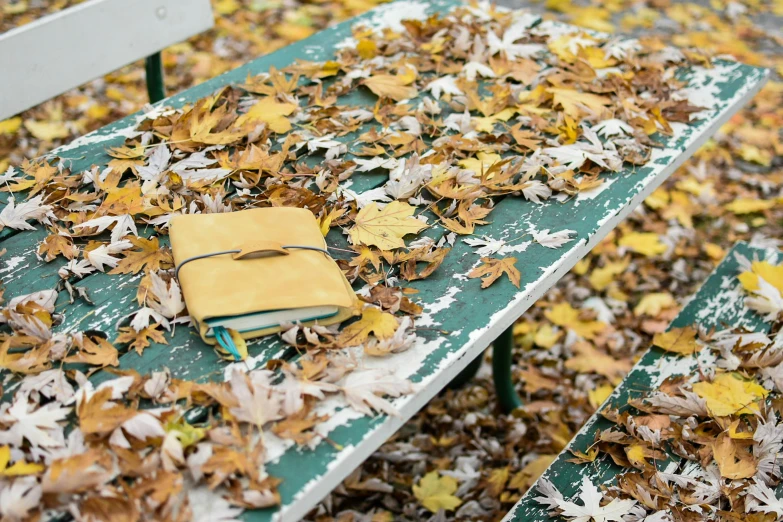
[253, 269]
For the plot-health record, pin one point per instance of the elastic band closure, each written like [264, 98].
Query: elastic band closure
[236, 251]
[224, 339]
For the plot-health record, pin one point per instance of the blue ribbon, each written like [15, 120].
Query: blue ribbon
[224, 339]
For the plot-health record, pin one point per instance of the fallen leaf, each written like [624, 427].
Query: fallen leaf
[730, 394]
[373, 321]
[385, 227]
[436, 492]
[678, 340]
[491, 269]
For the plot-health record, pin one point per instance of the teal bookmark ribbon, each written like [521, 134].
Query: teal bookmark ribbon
[225, 340]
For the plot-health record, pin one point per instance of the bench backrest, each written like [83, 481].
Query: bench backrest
[61, 51]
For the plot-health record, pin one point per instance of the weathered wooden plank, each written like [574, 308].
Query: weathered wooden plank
[475, 317]
[719, 302]
[55, 53]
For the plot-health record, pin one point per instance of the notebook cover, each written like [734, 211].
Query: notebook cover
[221, 285]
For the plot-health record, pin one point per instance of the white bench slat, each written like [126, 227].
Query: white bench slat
[59, 52]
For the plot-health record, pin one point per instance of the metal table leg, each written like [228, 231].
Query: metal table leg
[154, 68]
[502, 350]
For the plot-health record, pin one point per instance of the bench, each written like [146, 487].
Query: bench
[37, 59]
[720, 304]
[459, 320]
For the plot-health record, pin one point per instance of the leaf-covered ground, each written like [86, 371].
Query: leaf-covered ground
[622, 294]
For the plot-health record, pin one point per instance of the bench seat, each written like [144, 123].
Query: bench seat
[719, 304]
[459, 319]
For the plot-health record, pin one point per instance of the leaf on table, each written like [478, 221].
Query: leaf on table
[397, 87]
[576, 104]
[140, 340]
[730, 394]
[99, 415]
[18, 468]
[269, 111]
[123, 225]
[734, 462]
[147, 256]
[16, 215]
[373, 321]
[40, 426]
[591, 508]
[552, 239]
[436, 492]
[95, 351]
[491, 269]
[364, 390]
[57, 244]
[385, 227]
[678, 340]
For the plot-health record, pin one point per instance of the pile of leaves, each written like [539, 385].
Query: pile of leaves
[491, 125]
[699, 447]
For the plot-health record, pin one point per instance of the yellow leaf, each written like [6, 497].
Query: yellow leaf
[481, 163]
[714, 251]
[373, 320]
[602, 277]
[546, 336]
[658, 199]
[653, 304]
[397, 87]
[435, 492]
[385, 228]
[491, 269]
[772, 274]
[10, 126]
[733, 461]
[575, 103]
[47, 130]
[754, 154]
[635, 454]
[645, 243]
[748, 206]
[271, 112]
[730, 394]
[565, 315]
[366, 48]
[20, 467]
[582, 266]
[530, 473]
[599, 395]
[487, 124]
[595, 18]
[678, 340]
[226, 7]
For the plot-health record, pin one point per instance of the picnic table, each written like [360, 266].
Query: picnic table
[459, 320]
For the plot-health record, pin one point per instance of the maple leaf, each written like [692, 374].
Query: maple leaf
[399, 342]
[762, 498]
[645, 243]
[95, 351]
[563, 314]
[101, 255]
[575, 103]
[39, 426]
[652, 304]
[363, 390]
[123, 225]
[56, 244]
[444, 85]
[491, 269]
[591, 510]
[149, 257]
[141, 339]
[19, 497]
[18, 468]
[436, 492]
[396, 87]
[167, 296]
[257, 402]
[382, 324]
[678, 340]
[730, 394]
[385, 227]
[270, 111]
[733, 461]
[553, 239]
[99, 415]
[16, 216]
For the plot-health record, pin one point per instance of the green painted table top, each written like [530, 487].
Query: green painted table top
[719, 304]
[459, 319]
